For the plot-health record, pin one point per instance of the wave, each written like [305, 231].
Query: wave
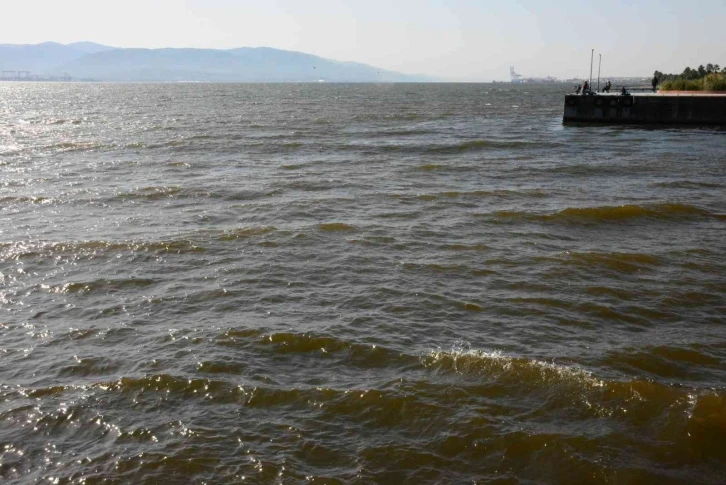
[93, 366]
[466, 247]
[430, 167]
[411, 148]
[168, 384]
[555, 388]
[34, 249]
[689, 184]
[444, 408]
[27, 200]
[221, 367]
[58, 121]
[149, 193]
[658, 212]
[397, 133]
[374, 241]
[487, 371]
[568, 386]
[193, 242]
[102, 285]
[495, 365]
[336, 227]
[397, 117]
[352, 353]
[479, 145]
[8, 150]
[437, 267]
[153, 193]
[621, 262]
[246, 233]
[311, 185]
[664, 362]
[78, 146]
[504, 193]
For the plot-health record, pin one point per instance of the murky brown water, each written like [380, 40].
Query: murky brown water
[355, 284]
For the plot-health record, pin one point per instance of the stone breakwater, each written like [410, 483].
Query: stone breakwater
[670, 108]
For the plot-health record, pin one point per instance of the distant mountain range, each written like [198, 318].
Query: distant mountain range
[90, 61]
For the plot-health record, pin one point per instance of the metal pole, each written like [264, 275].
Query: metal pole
[598, 73]
[592, 57]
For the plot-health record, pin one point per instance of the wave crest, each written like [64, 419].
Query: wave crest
[623, 213]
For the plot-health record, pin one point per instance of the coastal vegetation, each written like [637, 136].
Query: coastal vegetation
[710, 77]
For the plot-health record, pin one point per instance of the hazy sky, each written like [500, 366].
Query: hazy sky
[451, 39]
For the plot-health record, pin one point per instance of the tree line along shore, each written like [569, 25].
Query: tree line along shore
[710, 77]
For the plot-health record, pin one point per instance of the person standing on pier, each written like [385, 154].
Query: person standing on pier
[654, 82]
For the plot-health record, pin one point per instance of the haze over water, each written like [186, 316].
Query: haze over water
[355, 284]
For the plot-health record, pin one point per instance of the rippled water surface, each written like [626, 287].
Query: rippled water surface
[399, 284]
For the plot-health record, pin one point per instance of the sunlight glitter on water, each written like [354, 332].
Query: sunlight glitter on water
[355, 284]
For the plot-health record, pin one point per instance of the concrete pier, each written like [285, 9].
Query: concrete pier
[661, 108]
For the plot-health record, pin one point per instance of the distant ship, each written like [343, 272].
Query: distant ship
[516, 78]
[519, 79]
